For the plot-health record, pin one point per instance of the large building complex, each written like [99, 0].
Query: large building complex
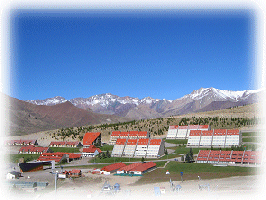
[147, 148]
[229, 157]
[182, 132]
[215, 138]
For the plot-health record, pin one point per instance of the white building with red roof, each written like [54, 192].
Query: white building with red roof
[229, 157]
[194, 138]
[90, 151]
[143, 168]
[119, 147]
[155, 148]
[143, 134]
[137, 168]
[219, 136]
[65, 144]
[232, 137]
[114, 136]
[206, 138]
[59, 157]
[142, 147]
[112, 168]
[172, 132]
[31, 149]
[130, 148]
[21, 142]
[216, 138]
[182, 132]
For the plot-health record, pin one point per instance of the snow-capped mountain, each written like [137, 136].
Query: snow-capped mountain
[203, 99]
[49, 101]
[219, 95]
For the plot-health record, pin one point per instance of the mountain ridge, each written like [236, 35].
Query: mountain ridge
[204, 99]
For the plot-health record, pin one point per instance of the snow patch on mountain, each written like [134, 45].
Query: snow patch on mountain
[219, 95]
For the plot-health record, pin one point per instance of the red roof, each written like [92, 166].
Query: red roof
[142, 133]
[203, 127]
[182, 127]
[193, 126]
[130, 167]
[75, 171]
[173, 127]
[133, 133]
[74, 155]
[155, 142]
[115, 133]
[32, 148]
[113, 167]
[195, 133]
[143, 141]
[51, 156]
[124, 134]
[132, 141]
[89, 138]
[91, 149]
[230, 156]
[204, 152]
[219, 132]
[233, 132]
[121, 141]
[144, 166]
[206, 133]
[21, 142]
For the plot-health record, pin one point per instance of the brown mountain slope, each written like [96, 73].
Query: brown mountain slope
[26, 118]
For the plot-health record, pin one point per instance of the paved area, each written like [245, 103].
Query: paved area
[89, 187]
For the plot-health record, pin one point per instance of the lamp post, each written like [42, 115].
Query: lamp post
[199, 178]
[55, 180]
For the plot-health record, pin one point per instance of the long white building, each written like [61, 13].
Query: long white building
[142, 147]
[182, 132]
[119, 148]
[155, 148]
[147, 148]
[216, 138]
[130, 148]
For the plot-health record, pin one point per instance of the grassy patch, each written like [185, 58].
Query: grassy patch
[251, 134]
[178, 141]
[191, 171]
[107, 147]
[251, 139]
[14, 158]
[160, 164]
[65, 149]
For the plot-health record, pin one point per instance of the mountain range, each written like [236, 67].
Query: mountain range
[24, 118]
[204, 99]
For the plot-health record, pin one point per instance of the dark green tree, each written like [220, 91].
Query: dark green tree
[108, 155]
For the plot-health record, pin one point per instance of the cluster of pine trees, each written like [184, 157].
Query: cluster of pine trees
[155, 127]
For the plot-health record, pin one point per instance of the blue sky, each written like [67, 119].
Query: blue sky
[157, 53]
